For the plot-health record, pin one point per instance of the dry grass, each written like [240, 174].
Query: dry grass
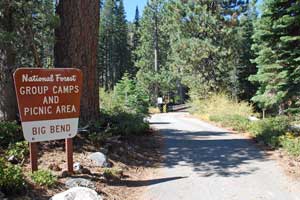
[153, 110]
[220, 105]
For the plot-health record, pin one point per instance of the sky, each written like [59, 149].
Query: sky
[130, 6]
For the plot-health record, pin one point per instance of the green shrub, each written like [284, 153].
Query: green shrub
[123, 123]
[10, 133]
[127, 96]
[113, 173]
[236, 122]
[20, 150]
[269, 130]
[43, 178]
[11, 178]
[290, 144]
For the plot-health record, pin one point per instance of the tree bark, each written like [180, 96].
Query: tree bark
[8, 102]
[76, 46]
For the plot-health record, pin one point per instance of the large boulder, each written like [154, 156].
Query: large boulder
[77, 193]
[79, 182]
[99, 159]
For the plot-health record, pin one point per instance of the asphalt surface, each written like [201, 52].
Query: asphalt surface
[203, 162]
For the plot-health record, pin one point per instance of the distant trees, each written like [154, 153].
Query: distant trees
[26, 39]
[76, 46]
[152, 52]
[277, 48]
[204, 45]
[135, 39]
[114, 49]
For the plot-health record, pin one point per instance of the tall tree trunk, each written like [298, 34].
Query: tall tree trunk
[8, 103]
[76, 46]
[156, 51]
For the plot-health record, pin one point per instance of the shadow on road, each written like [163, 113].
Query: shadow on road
[131, 183]
[209, 153]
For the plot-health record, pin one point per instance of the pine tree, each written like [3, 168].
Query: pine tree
[246, 67]
[106, 46]
[206, 45]
[277, 46]
[152, 51]
[114, 52]
[26, 39]
[122, 46]
[135, 39]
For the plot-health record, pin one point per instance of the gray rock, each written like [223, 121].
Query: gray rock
[99, 159]
[13, 160]
[1, 195]
[122, 149]
[85, 171]
[77, 193]
[79, 182]
[64, 174]
[77, 166]
[253, 119]
[103, 150]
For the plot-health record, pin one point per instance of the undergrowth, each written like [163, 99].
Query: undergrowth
[273, 131]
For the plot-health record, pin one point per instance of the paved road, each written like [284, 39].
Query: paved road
[203, 162]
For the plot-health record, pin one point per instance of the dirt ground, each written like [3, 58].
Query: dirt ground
[136, 156]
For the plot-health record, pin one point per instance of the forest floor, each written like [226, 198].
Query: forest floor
[136, 156]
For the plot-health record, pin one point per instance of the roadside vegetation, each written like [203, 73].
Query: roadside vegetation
[273, 131]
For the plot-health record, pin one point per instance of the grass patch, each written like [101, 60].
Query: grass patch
[154, 110]
[223, 110]
[43, 178]
[220, 105]
[113, 173]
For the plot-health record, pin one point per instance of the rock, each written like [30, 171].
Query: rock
[85, 171]
[252, 118]
[80, 182]
[122, 149]
[77, 166]
[77, 193]
[65, 174]
[13, 160]
[99, 159]
[1, 195]
[54, 167]
[140, 155]
[130, 148]
[103, 150]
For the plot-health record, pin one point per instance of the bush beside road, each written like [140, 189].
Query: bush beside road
[275, 132]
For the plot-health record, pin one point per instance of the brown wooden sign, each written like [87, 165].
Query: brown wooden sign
[49, 102]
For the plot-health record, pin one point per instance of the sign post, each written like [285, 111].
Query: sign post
[69, 151]
[49, 106]
[33, 148]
